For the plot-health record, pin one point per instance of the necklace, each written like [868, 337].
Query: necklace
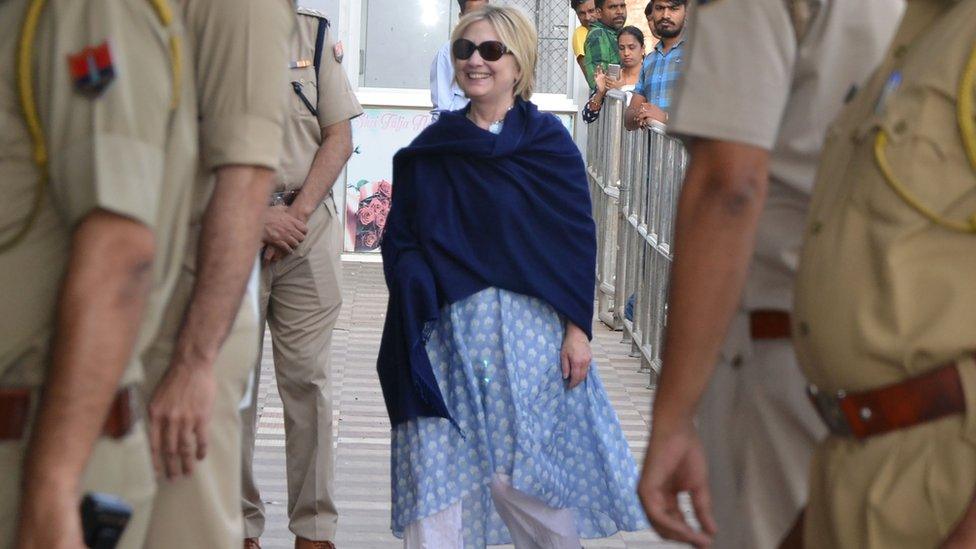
[494, 126]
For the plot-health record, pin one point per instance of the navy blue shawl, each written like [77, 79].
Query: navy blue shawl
[472, 210]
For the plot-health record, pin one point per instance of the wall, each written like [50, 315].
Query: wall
[635, 17]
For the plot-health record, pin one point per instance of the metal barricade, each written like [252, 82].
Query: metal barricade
[604, 141]
[635, 180]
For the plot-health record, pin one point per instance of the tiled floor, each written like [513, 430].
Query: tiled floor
[362, 428]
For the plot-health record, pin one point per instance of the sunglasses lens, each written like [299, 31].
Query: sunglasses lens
[462, 48]
[491, 50]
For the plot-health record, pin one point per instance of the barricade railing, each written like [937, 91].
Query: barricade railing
[635, 178]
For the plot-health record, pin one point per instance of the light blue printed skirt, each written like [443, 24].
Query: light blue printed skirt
[496, 359]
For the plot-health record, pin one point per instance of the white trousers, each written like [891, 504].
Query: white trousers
[533, 524]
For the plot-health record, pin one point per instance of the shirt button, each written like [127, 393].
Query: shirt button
[816, 227]
[900, 127]
[737, 362]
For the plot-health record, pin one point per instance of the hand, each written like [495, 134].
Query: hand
[179, 418]
[601, 82]
[50, 518]
[675, 463]
[614, 83]
[648, 112]
[282, 229]
[576, 356]
[272, 254]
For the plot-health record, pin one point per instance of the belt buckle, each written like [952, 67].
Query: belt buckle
[830, 411]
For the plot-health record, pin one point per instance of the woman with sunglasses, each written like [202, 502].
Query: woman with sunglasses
[502, 430]
[630, 44]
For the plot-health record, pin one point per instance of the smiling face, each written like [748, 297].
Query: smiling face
[631, 51]
[486, 81]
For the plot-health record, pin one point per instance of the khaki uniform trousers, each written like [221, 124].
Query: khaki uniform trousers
[120, 467]
[300, 298]
[759, 431]
[201, 511]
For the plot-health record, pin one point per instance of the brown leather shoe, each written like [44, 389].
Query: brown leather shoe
[302, 543]
[252, 543]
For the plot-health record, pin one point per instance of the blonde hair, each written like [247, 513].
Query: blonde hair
[517, 32]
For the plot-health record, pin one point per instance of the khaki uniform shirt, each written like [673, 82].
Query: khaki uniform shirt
[328, 91]
[773, 74]
[126, 150]
[240, 51]
[885, 294]
[240, 69]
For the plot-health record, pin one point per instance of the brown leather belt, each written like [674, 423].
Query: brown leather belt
[15, 408]
[283, 198]
[766, 324]
[923, 398]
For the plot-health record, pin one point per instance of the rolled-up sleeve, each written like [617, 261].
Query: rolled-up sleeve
[736, 84]
[241, 73]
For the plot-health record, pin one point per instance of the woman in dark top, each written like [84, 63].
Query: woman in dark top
[502, 432]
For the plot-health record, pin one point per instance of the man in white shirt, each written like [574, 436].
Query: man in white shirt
[445, 93]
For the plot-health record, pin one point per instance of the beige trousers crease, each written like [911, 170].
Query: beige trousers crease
[301, 300]
[202, 510]
[759, 431]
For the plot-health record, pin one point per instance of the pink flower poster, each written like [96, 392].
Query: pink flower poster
[377, 135]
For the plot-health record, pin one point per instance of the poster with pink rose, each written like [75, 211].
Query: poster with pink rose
[371, 204]
[377, 135]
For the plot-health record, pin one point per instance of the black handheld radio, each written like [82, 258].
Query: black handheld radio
[103, 519]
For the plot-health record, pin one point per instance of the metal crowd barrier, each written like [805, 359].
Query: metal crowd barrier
[635, 178]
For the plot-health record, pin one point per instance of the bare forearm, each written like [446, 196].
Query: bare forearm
[229, 242]
[718, 213]
[331, 156]
[100, 308]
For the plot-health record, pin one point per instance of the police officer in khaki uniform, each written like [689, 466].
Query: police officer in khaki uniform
[300, 283]
[886, 299]
[762, 81]
[197, 370]
[98, 139]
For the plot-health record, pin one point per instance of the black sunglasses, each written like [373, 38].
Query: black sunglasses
[490, 50]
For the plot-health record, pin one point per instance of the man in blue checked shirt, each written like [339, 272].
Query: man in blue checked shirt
[662, 67]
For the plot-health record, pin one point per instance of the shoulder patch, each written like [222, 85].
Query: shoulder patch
[92, 68]
[312, 13]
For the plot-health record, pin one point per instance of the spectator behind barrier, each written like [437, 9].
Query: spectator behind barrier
[630, 45]
[587, 14]
[655, 85]
[445, 94]
[601, 42]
